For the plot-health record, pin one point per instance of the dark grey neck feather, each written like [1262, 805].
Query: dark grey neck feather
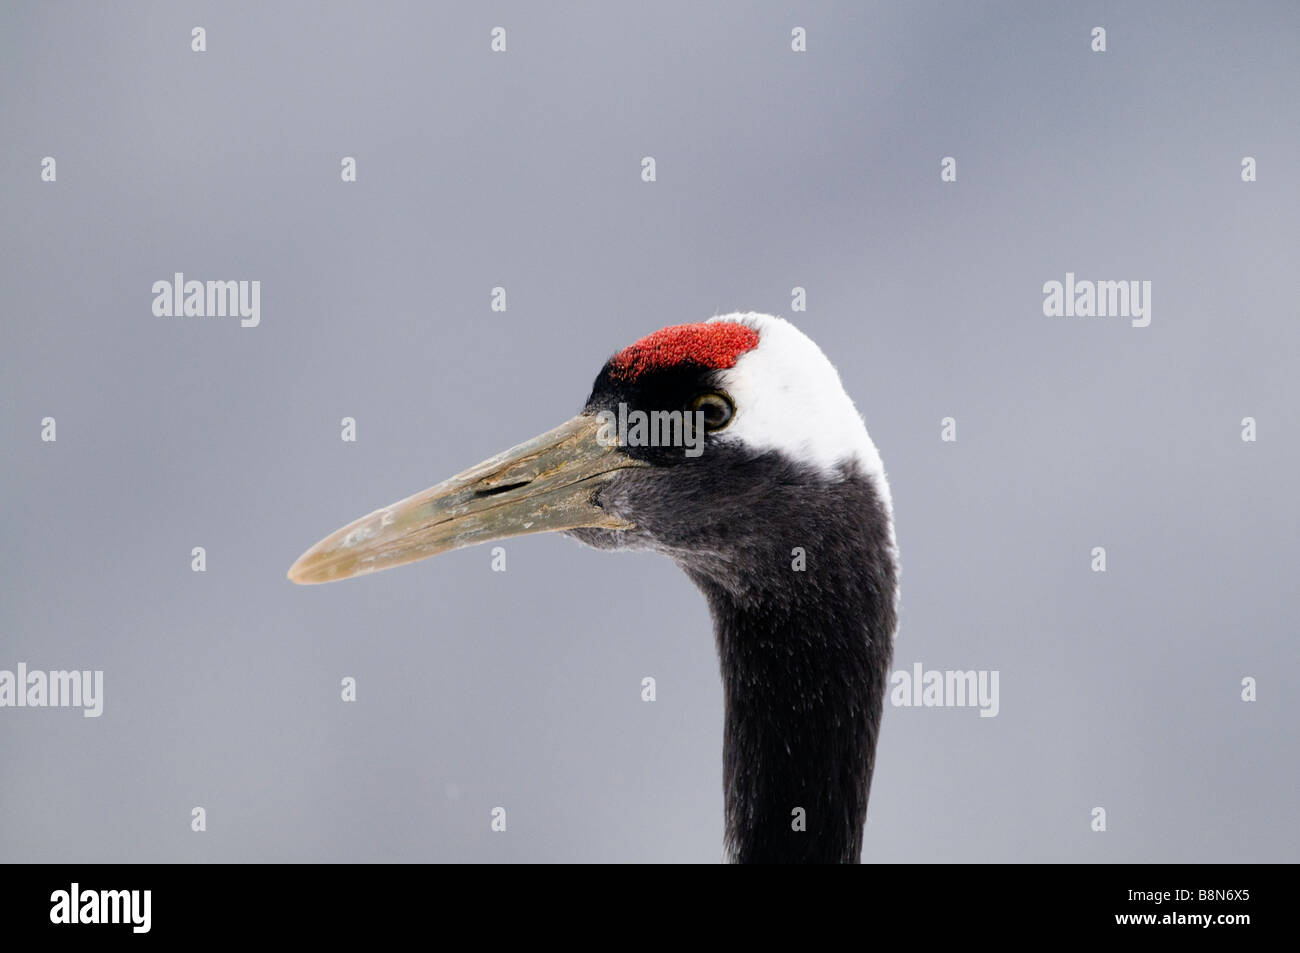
[804, 659]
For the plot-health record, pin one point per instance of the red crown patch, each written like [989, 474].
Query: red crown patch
[716, 345]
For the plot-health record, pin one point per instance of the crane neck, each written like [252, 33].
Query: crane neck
[804, 653]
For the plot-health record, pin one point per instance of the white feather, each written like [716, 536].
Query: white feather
[788, 397]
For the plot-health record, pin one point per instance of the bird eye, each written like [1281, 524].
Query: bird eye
[717, 409]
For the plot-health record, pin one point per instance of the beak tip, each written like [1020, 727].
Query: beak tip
[298, 573]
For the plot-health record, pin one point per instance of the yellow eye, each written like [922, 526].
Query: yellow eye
[717, 409]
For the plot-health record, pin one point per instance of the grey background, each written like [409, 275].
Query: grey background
[522, 689]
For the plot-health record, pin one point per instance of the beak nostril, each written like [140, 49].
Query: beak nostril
[504, 488]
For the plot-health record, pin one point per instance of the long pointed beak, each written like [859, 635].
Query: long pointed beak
[543, 485]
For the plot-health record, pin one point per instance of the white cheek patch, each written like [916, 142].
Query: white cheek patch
[788, 397]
